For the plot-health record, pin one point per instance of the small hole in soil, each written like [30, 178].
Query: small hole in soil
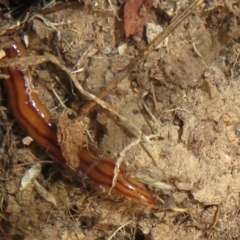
[47, 169]
[135, 111]
[17, 237]
[73, 210]
[87, 222]
[139, 235]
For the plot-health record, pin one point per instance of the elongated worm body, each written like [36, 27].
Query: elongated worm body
[26, 106]
[35, 119]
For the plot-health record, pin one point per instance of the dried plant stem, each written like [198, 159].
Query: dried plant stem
[130, 126]
[122, 155]
[122, 226]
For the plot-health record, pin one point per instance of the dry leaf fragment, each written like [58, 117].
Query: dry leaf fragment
[30, 175]
[44, 193]
[135, 13]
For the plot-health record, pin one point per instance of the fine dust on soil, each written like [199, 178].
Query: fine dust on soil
[190, 84]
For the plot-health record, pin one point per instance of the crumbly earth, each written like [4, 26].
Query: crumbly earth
[185, 94]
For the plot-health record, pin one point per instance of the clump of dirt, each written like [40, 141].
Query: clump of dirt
[185, 95]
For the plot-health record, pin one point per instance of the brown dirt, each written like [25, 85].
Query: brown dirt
[192, 167]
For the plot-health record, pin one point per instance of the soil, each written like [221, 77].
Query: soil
[185, 93]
